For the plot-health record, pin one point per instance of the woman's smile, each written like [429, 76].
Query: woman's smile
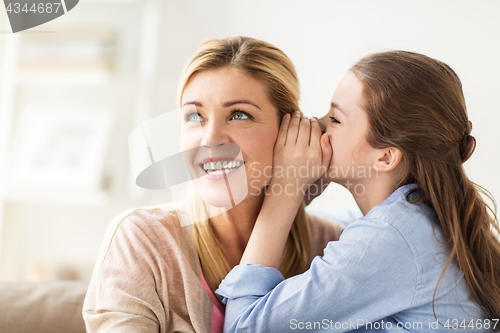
[220, 166]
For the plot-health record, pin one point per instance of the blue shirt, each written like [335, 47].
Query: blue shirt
[380, 276]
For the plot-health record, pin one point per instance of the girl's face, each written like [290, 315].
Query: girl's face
[228, 120]
[346, 124]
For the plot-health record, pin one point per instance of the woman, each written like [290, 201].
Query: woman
[425, 257]
[233, 94]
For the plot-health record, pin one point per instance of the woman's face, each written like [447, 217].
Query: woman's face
[229, 121]
[346, 124]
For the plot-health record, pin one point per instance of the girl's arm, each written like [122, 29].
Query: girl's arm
[301, 156]
[361, 278]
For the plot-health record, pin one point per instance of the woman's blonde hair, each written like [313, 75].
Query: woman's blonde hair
[269, 65]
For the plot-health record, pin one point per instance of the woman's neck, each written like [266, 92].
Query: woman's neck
[234, 227]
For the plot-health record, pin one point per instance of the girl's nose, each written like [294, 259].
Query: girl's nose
[323, 123]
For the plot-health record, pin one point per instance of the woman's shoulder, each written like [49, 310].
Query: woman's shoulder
[323, 230]
[148, 219]
[147, 269]
[321, 225]
[155, 229]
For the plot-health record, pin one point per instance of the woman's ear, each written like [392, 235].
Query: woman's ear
[388, 159]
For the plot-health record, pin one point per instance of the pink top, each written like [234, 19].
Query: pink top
[138, 270]
[217, 311]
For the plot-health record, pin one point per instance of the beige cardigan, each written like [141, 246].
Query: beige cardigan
[147, 275]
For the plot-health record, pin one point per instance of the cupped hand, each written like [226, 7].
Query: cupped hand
[301, 155]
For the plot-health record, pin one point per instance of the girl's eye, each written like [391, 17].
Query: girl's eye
[334, 120]
[193, 116]
[240, 115]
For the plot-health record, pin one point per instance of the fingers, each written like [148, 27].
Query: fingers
[304, 132]
[293, 128]
[299, 130]
[326, 148]
[283, 131]
[315, 133]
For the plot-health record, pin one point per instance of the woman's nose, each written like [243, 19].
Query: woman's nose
[214, 135]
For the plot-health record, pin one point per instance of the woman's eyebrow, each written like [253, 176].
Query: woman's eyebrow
[227, 104]
[242, 101]
[192, 103]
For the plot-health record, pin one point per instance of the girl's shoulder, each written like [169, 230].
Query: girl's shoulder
[409, 218]
[413, 221]
[407, 224]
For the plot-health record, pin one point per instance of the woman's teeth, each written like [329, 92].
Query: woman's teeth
[221, 167]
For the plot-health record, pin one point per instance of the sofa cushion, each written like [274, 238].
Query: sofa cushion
[49, 307]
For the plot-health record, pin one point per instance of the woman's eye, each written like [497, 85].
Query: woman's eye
[334, 120]
[193, 117]
[240, 115]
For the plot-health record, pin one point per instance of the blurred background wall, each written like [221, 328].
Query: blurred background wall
[73, 89]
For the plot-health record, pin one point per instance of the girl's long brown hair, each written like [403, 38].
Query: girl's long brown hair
[269, 65]
[416, 104]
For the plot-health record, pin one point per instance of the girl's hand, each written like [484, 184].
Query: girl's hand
[301, 156]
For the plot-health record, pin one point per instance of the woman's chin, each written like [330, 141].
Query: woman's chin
[217, 201]
[222, 195]
[226, 192]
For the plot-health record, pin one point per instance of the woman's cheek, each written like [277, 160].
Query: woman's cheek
[190, 139]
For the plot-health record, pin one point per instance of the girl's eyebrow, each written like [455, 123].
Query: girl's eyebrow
[336, 106]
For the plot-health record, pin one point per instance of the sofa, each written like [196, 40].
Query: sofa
[42, 307]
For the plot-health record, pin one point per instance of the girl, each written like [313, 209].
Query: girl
[424, 257]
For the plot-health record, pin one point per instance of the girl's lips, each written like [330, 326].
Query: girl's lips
[219, 168]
